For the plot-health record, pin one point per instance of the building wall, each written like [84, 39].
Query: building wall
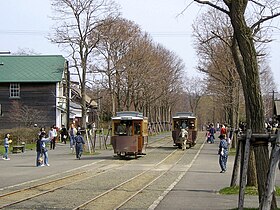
[61, 104]
[37, 104]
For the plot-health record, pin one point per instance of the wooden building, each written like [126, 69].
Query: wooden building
[33, 90]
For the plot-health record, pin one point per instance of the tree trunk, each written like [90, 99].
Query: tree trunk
[118, 86]
[251, 86]
[83, 91]
[262, 151]
[252, 173]
[236, 165]
[245, 59]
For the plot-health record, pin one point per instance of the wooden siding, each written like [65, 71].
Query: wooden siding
[39, 97]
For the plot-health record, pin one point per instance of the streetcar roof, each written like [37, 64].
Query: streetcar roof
[184, 115]
[128, 115]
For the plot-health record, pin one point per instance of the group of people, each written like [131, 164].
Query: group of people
[210, 135]
[76, 142]
[75, 139]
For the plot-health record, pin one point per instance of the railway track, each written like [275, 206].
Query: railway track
[114, 197]
[119, 195]
[27, 193]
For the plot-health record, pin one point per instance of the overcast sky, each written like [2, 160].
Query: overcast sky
[26, 23]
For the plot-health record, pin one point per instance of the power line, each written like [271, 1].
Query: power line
[23, 32]
[156, 34]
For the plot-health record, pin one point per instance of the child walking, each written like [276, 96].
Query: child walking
[79, 141]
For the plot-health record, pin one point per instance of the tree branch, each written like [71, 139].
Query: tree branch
[213, 5]
[257, 24]
[257, 3]
[221, 38]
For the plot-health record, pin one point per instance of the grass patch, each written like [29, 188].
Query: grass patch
[232, 152]
[247, 209]
[88, 153]
[248, 191]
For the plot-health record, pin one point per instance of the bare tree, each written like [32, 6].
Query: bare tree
[25, 51]
[26, 115]
[267, 86]
[195, 88]
[213, 35]
[138, 74]
[78, 20]
[245, 57]
[118, 39]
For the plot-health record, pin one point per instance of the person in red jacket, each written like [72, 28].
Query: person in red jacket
[223, 130]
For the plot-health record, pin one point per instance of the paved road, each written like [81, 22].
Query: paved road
[197, 189]
[22, 166]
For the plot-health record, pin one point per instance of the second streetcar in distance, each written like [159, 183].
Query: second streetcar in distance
[184, 121]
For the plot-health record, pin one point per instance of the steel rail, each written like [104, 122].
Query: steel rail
[59, 180]
[149, 184]
[129, 180]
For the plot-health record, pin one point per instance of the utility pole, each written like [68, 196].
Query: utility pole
[272, 110]
[67, 95]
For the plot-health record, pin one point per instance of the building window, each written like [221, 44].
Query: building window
[14, 90]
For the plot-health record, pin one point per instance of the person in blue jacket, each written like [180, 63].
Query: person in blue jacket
[79, 141]
[212, 132]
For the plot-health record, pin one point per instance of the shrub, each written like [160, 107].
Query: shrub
[19, 135]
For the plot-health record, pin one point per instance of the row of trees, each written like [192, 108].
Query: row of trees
[230, 42]
[131, 72]
[113, 58]
[213, 38]
[134, 73]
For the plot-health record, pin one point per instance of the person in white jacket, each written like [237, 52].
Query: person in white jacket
[72, 134]
[184, 135]
[52, 136]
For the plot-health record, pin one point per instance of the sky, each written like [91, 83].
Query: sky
[25, 24]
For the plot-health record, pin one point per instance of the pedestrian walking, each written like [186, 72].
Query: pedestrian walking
[63, 134]
[52, 136]
[184, 136]
[79, 141]
[72, 134]
[7, 141]
[212, 132]
[223, 130]
[223, 152]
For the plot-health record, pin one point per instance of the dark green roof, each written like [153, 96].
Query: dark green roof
[31, 68]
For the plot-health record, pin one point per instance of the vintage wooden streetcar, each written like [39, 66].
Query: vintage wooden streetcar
[184, 129]
[129, 134]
